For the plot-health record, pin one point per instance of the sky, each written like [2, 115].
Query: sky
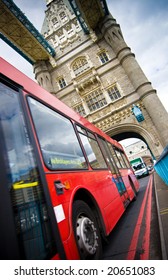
[144, 24]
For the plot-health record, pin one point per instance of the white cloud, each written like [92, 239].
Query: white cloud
[16, 59]
[33, 10]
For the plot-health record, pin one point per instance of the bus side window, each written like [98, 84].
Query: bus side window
[92, 149]
[127, 164]
[120, 158]
[107, 154]
[113, 155]
[58, 141]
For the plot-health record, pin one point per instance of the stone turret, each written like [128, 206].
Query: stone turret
[113, 35]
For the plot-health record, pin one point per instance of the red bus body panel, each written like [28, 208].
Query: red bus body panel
[98, 184]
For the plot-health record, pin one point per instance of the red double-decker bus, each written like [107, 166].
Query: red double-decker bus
[64, 184]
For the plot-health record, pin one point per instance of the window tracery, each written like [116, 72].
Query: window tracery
[80, 65]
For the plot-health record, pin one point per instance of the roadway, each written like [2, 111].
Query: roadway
[137, 235]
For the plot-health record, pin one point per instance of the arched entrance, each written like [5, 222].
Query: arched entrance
[125, 131]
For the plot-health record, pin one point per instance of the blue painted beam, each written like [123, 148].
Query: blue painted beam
[79, 17]
[29, 26]
[78, 13]
[104, 7]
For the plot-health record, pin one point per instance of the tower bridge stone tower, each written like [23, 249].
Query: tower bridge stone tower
[97, 75]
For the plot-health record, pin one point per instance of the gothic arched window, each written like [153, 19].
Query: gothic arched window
[62, 82]
[103, 57]
[80, 65]
[95, 100]
[80, 109]
[63, 17]
[114, 93]
[55, 22]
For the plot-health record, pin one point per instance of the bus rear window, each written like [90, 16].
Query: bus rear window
[58, 141]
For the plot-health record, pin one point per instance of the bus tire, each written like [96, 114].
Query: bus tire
[86, 231]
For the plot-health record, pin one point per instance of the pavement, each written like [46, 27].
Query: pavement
[161, 191]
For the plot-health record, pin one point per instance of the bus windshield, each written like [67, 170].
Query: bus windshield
[28, 201]
[138, 166]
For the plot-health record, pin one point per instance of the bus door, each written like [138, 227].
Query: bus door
[113, 163]
[28, 228]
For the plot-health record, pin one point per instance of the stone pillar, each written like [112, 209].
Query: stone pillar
[113, 35]
[42, 75]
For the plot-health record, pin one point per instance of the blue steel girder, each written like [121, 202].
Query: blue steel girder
[89, 12]
[19, 32]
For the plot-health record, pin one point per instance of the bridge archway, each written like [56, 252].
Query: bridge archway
[125, 131]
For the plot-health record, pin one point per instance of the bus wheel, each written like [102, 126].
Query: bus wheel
[86, 231]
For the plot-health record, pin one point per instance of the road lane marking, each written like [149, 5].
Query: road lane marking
[146, 237]
[133, 245]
